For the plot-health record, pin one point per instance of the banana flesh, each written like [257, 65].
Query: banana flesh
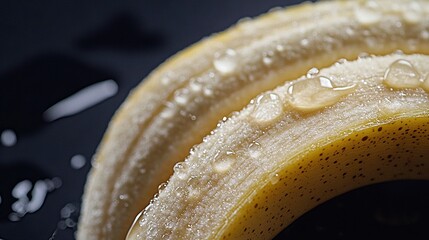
[253, 176]
[181, 102]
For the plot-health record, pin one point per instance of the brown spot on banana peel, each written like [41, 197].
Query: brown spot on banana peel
[121, 151]
[307, 158]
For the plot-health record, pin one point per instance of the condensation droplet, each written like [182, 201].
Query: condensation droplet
[304, 42]
[223, 164]
[268, 108]
[312, 73]
[367, 16]
[425, 84]
[424, 34]
[350, 32]
[77, 161]
[226, 63]
[267, 58]
[181, 96]
[255, 150]
[193, 191]
[180, 169]
[315, 93]
[208, 91]
[8, 138]
[169, 111]
[165, 80]
[401, 74]
[123, 196]
[274, 178]
[162, 186]
[195, 85]
[280, 48]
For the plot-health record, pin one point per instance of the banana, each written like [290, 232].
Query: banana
[182, 101]
[353, 124]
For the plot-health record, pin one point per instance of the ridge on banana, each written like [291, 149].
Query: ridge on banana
[180, 102]
[259, 171]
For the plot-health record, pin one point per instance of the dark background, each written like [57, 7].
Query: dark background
[51, 49]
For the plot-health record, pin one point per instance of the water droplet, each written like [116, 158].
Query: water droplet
[169, 111]
[267, 58]
[312, 73]
[226, 63]
[180, 169]
[315, 93]
[162, 186]
[280, 48]
[402, 74]
[223, 164]
[350, 31]
[304, 42]
[21, 189]
[367, 16]
[77, 161]
[181, 96]
[268, 108]
[424, 34]
[255, 150]
[8, 138]
[192, 117]
[195, 85]
[193, 191]
[229, 152]
[208, 91]
[274, 178]
[412, 17]
[192, 150]
[165, 80]
[425, 84]
[123, 196]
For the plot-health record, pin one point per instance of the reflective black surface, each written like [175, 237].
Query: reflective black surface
[50, 50]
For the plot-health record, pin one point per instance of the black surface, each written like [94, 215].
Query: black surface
[51, 49]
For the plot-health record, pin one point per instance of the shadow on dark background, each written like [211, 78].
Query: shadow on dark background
[122, 33]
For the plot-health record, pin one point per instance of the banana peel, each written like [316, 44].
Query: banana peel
[182, 101]
[253, 177]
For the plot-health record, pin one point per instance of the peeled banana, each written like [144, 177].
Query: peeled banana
[291, 148]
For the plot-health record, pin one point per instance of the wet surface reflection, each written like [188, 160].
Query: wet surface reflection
[31, 88]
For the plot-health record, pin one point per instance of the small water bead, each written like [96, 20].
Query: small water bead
[208, 91]
[195, 85]
[268, 108]
[315, 93]
[255, 150]
[280, 48]
[180, 169]
[193, 191]
[312, 73]
[425, 84]
[223, 163]
[8, 138]
[267, 58]
[162, 186]
[169, 111]
[424, 34]
[274, 178]
[304, 42]
[226, 63]
[350, 32]
[367, 16]
[401, 74]
[123, 196]
[181, 96]
[77, 161]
